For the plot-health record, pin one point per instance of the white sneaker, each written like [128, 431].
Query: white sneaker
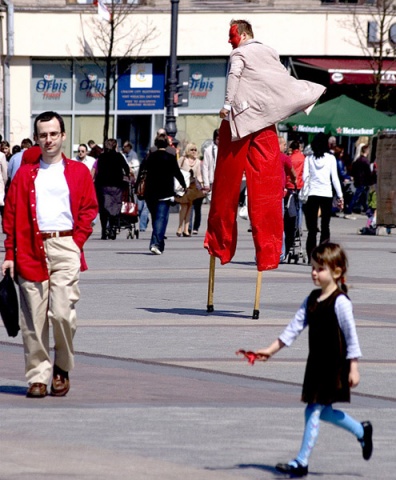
[154, 249]
[349, 217]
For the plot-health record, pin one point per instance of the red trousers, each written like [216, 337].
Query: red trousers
[258, 156]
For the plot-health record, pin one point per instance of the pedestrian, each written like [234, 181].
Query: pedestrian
[3, 180]
[332, 365]
[209, 163]
[190, 164]
[362, 179]
[94, 149]
[83, 157]
[47, 219]
[130, 155]
[320, 173]
[16, 159]
[6, 149]
[111, 169]
[162, 168]
[260, 92]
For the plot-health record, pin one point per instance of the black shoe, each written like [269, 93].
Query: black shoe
[367, 440]
[298, 471]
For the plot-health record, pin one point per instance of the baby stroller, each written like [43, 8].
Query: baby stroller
[129, 216]
[293, 233]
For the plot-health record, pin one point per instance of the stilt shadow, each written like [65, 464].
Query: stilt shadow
[195, 312]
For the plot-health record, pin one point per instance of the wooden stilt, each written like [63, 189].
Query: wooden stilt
[256, 311]
[212, 265]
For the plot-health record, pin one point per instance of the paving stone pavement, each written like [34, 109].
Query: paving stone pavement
[158, 392]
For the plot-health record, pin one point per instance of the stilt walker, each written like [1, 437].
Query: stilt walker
[258, 95]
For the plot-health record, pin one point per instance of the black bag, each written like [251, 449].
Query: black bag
[9, 308]
[140, 188]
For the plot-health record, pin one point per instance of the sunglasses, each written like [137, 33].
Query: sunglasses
[193, 150]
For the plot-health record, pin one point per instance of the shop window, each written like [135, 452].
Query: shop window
[87, 128]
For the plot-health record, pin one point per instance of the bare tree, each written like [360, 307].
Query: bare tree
[111, 36]
[373, 37]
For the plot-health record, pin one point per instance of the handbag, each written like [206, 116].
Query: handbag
[129, 208]
[303, 194]
[9, 307]
[193, 192]
[140, 188]
[243, 212]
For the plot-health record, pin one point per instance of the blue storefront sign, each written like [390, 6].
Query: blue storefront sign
[141, 88]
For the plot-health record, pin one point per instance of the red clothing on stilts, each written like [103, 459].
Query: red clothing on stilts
[258, 156]
[260, 92]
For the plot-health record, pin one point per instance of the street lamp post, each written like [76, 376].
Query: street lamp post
[171, 85]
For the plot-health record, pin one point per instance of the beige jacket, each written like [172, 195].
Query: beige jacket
[261, 92]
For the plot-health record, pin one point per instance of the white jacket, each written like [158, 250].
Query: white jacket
[322, 173]
[209, 164]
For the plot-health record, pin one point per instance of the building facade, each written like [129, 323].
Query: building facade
[54, 54]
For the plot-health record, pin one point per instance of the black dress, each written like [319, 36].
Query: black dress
[327, 370]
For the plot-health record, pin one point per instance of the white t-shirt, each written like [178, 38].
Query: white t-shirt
[53, 198]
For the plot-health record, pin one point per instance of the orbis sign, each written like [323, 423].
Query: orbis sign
[51, 87]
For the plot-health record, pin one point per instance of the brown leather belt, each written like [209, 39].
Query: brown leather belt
[62, 233]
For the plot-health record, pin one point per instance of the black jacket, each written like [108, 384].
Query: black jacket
[162, 168]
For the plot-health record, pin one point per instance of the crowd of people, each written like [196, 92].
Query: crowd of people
[337, 186]
[45, 236]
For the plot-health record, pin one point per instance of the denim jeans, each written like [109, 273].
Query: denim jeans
[143, 215]
[159, 210]
[359, 199]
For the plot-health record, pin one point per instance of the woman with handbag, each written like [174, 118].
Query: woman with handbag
[320, 174]
[192, 164]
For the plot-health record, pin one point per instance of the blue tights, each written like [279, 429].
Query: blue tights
[313, 414]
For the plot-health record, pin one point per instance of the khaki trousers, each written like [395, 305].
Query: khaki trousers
[52, 301]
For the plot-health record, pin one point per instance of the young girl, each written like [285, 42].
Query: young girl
[332, 365]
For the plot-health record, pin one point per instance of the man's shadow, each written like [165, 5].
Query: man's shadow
[13, 390]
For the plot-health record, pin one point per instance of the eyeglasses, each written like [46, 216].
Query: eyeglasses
[52, 135]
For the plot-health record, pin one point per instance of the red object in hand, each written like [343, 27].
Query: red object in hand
[250, 356]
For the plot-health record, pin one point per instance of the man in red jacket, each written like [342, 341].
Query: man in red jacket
[47, 219]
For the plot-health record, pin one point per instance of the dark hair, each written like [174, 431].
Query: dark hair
[338, 151]
[295, 145]
[110, 144]
[16, 149]
[83, 145]
[333, 256]
[319, 145]
[161, 141]
[243, 27]
[26, 143]
[216, 133]
[46, 117]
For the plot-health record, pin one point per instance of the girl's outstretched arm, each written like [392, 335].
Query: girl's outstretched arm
[265, 353]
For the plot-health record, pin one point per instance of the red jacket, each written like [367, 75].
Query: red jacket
[297, 159]
[24, 244]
